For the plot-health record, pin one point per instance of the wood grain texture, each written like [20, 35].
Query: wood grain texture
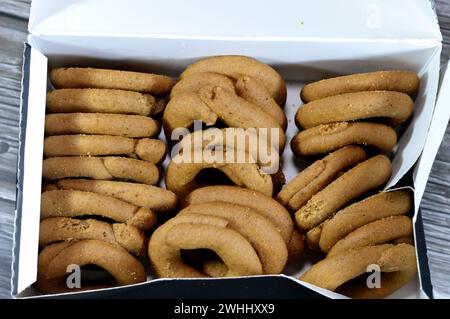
[13, 31]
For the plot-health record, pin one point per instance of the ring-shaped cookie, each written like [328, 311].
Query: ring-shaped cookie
[400, 81]
[329, 137]
[395, 106]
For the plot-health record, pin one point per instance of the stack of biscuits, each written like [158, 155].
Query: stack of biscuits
[100, 171]
[236, 92]
[244, 232]
[335, 199]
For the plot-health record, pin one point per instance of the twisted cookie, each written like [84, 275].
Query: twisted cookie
[252, 91]
[194, 82]
[111, 79]
[54, 261]
[73, 203]
[196, 231]
[180, 177]
[102, 101]
[400, 81]
[152, 197]
[397, 264]
[105, 168]
[235, 66]
[99, 123]
[352, 217]
[329, 137]
[264, 205]
[318, 175]
[151, 150]
[258, 230]
[355, 182]
[396, 106]
[380, 231]
[58, 229]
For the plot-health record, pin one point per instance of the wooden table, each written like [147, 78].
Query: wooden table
[13, 32]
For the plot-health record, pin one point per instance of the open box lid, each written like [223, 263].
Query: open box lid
[237, 19]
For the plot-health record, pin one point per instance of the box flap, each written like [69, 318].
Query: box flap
[435, 135]
[246, 20]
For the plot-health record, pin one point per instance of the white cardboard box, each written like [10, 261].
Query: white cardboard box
[303, 40]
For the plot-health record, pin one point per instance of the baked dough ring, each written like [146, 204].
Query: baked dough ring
[234, 66]
[152, 197]
[111, 79]
[105, 168]
[350, 218]
[72, 203]
[234, 111]
[318, 175]
[101, 101]
[329, 137]
[180, 177]
[363, 177]
[183, 109]
[258, 230]
[248, 146]
[101, 123]
[194, 231]
[400, 81]
[296, 245]
[333, 272]
[264, 205]
[125, 268]
[378, 232]
[252, 91]
[57, 229]
[151, 150]
[396, 106]
[194, 82]
[312, 237]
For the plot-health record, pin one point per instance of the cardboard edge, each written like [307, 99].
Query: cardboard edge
[25, 86]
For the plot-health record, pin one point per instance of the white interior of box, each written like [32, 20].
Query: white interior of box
[297, 61]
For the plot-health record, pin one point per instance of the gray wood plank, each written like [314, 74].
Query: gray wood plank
[13, 30]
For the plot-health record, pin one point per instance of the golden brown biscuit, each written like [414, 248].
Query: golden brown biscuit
[180, 176]
[363, 177]
[263, 204]
[312, 237]
[375, 207]
[400, 81]
[235, 66]
[234, 111]
[258, 230]
[318, 175]
[57, 229]
[378, 232]
[152, 197]
[125, 268]
[296, 245]
[194, 82]
[333, 273]
[195, 231]
[101, 123]
[329, 137]
[396, 106]
[73, 203]
[183, 109]
[252, 91]
[105, 168]
[101, 101]
[151, 150]
[111, 79]
[249, 146]
[404, 240]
